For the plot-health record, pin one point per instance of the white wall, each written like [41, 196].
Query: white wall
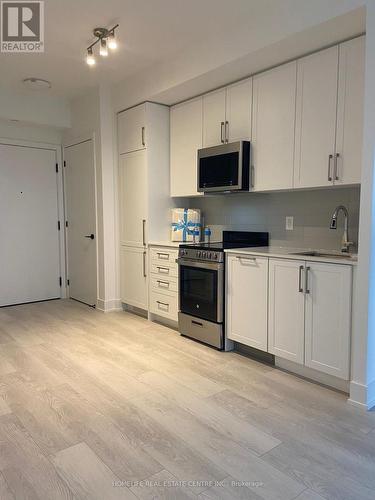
[363, 345]
[35, 108]
[91, 115]
[311, 210]
[33, 133]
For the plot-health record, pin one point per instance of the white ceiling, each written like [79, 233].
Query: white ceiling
[151, 32]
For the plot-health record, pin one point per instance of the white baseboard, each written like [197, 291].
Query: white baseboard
[109, 305]
[362, 396]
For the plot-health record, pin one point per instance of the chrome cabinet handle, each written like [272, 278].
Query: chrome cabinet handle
[226, 131]
[164, 284]
[329, 167]
[144, 232]
[336, 170]
[241, 257]
[222, 132]
[307, 280]
[162, 303]
[300, 287]
[143, 136]
[144, 265]
[163, 256]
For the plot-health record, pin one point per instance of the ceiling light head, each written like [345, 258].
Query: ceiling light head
[90, 59]
[112, 42]
[36, 83]
[103, 51]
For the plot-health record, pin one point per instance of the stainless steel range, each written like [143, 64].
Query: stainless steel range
[202, 276]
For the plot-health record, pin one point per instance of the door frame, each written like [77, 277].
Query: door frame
[75, 141]
[60, 198]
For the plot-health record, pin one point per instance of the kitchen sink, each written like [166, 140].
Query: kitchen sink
[314, 253]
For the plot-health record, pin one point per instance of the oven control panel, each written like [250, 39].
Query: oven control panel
[199, 254]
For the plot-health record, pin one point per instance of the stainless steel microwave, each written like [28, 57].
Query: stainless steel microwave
[224, 168]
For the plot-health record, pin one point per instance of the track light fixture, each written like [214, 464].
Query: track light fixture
[107, 40]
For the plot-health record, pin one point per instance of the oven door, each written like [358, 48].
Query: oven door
[202, 289]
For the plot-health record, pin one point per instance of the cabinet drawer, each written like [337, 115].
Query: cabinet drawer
[164, 285]
[163, 255]
[164, 305]
[164, 269]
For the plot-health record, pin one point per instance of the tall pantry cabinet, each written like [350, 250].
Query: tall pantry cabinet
[144, 203]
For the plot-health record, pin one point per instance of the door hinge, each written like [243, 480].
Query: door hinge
[64, 163]
[60, 281]
[57, 167]
[58, 225]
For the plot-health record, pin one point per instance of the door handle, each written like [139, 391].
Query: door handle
[307, 280]
[252, 176]
[336, 171]
[222, 132]
[329, 168]
[144, 232]
[300, 287]
[144, 265]
[143, 136]
[90, 236]
[226, 131]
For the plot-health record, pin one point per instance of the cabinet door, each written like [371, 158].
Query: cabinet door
[133, 198]
[316, 118]
[238, 111]
[247, 300]
[274, 107]
[286, 309]
[328, 313]
[214, 118]
[133, 277]
[350, 112]
[186, 139]
[132, 129]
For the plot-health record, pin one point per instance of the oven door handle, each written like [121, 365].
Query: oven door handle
[215, 266]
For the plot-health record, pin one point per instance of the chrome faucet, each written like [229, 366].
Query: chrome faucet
[345, 243]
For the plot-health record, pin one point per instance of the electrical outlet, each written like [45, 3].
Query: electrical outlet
[289, 223]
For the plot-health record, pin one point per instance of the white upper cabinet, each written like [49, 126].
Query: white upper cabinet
[328, 313]
[247, 300]
[316, 118]
[132, 129]
[214, 118]
[186, 139]
[133, 198]
[274, 103]
[350, 112]
[238, 111]
[286, 309]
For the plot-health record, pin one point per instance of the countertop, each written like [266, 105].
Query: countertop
[287, 253]
[173, 244]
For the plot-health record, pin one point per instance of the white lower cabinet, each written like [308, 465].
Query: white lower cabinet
[247, 300]
[133, 281]
[297, 310]
[328, 318]
[163, 284]
[286, 309]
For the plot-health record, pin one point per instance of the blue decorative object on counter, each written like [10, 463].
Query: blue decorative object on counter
[186, 224]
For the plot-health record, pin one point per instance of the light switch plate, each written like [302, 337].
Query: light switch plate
[289, 223]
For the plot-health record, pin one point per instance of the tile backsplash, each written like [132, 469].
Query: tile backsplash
[311, 210]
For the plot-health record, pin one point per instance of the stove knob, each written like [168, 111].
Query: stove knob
[214, 255]
[198, 253]
[204, 255]
[209, 255]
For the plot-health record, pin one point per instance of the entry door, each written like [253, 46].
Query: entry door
[79, 175]
[29, 237]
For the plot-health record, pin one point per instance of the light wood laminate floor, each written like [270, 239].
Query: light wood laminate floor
[111, 406]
